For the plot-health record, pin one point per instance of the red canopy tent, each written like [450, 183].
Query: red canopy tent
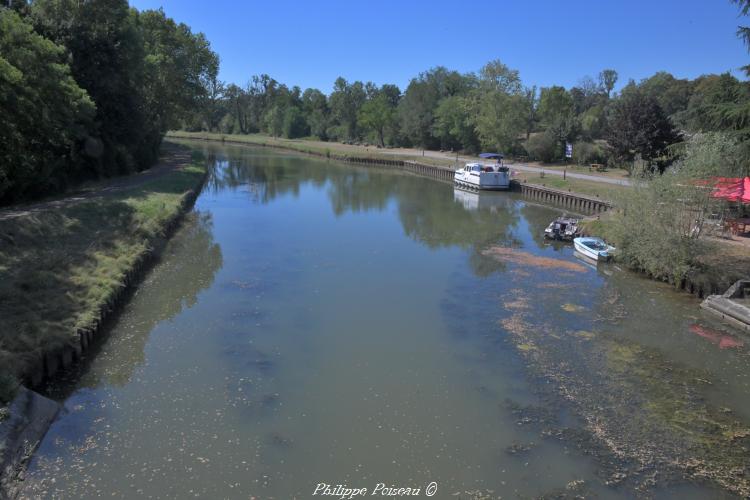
[732, 189]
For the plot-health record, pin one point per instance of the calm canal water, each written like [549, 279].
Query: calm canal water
[315, 322]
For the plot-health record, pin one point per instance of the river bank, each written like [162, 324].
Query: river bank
[604, 186]
[68, 263]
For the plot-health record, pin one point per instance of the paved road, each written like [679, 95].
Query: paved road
[172, 159]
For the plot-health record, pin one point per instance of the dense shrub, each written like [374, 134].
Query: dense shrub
[542, 147]
[586, 153]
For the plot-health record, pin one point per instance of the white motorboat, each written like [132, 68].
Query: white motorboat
[479, 176]
[593, 248]
[562, 228]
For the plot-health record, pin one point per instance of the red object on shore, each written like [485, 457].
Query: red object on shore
[732, 189]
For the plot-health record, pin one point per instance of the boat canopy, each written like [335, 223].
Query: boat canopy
[491, 156]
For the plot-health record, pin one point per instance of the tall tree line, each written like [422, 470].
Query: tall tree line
[492, 109]
[88, 88]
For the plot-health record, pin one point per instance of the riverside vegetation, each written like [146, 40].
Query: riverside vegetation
[87, 90]
[61, 262]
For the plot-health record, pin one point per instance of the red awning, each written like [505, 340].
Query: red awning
[732, 188]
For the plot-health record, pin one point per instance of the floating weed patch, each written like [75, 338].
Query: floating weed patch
[643, 412]
[583, 334]
[518, 303]
[516, 256]
[572, 308]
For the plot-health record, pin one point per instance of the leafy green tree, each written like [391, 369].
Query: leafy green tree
[501, 120]
[45, 114]
[179, 69]
[315, 107]
[345, 103]
[273, 120]
[743, 32]
[107, 60]
[587, 94]
[294, 124]
[531, 101]
[377, 114]
[639, 127]
[543, 147]
[594, 123]
[421, 99]
[607, 80]
[556, 112]
[455, 123]
[497, 76]
[673, 95]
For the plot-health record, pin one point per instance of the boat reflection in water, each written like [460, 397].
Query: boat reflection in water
[482, 200]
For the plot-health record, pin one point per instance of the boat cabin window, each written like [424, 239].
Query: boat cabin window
[476, 168]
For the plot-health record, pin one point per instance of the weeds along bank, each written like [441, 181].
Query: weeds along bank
[65, 265]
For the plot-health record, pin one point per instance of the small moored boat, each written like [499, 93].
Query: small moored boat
[480, 176]
[593, 248]
[562, 228]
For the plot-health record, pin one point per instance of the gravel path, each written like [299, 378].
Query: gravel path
[172, 158]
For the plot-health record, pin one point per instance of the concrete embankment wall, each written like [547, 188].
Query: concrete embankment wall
[574, 201]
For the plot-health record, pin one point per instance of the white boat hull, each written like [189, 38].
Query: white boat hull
[585, 251]
[490, 181]
[601, 254]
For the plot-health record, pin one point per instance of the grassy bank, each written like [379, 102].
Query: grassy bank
[607, 192]
[62, 262]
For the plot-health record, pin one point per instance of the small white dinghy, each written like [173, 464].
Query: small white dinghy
[593, 248]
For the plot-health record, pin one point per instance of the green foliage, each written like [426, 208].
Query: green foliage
[501, 121]
[607, 79]
[594, 122]
[586, 153]
[294, 123]
[274, 120]
[658, 224]
[454, 124]
[345, 102]
[639, 128]
[378, 114]
[91, 89]
[673, 95]
[422, 96]
[557, 114]
[46, 115]
[542, 147]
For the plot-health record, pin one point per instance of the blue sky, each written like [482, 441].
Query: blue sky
[310, 44]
